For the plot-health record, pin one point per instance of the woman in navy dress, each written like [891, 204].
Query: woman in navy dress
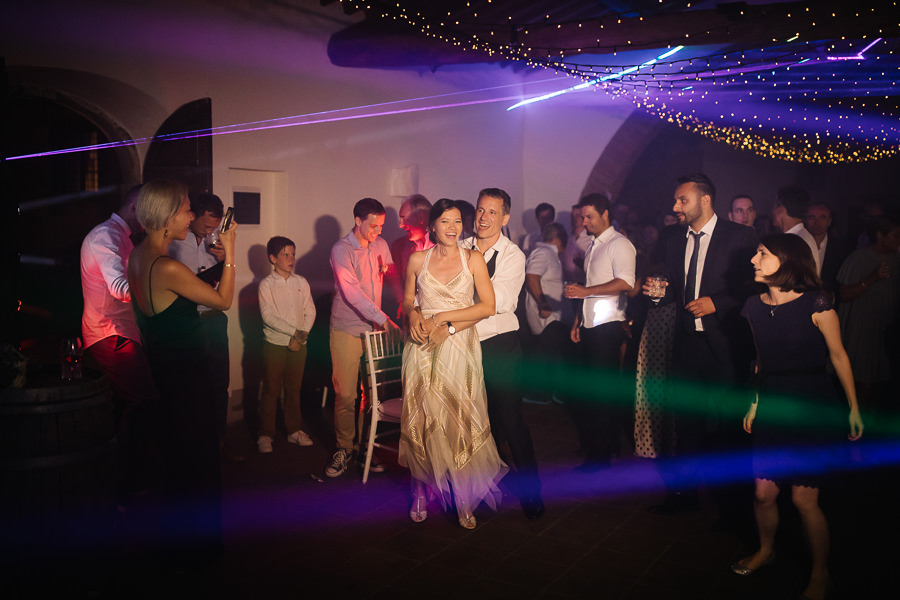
[796, 418]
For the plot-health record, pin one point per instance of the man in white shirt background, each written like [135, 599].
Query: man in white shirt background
[579, 242]
[831, 250]
[609, 264]
[544, 214]
[547, 310]
[199, 254]
[791, 204]
[112, 338]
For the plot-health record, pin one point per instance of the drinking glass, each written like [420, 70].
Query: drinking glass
[656, 285]
[212, 238]
[71, 352]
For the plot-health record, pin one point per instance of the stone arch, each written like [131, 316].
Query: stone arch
[618, 158]
[119, 110]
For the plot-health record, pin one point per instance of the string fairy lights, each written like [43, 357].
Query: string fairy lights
[822, 88]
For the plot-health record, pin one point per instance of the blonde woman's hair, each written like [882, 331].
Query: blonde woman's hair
[158, 202]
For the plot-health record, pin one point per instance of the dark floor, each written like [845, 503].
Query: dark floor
[289, 534]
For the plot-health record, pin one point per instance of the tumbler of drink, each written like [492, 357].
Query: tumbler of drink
[71, 352]
[212, 238]
[656, 285]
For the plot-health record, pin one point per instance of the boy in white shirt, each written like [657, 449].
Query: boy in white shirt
[288, 313]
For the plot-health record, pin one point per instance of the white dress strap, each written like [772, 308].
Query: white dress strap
[463, 257]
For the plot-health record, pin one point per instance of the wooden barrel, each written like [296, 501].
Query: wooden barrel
[57, 446]
[57, 482]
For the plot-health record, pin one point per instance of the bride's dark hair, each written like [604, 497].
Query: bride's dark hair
[439, 208]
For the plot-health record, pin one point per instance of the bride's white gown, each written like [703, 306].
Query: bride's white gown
[446, 438]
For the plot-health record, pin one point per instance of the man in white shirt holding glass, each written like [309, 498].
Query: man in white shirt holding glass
[201, 252]
[609, 266]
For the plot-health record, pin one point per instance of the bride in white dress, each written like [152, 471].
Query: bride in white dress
[446, 437]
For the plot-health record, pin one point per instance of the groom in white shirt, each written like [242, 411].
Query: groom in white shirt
[500, 347]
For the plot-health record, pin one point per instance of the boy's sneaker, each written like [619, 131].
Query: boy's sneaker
[265, 444]
[300, 438]
[339, 463]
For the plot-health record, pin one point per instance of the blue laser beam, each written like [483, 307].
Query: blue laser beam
[609, 77]
[859, 55]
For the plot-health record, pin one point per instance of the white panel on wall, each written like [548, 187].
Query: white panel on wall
[405, 181]
[250, 258]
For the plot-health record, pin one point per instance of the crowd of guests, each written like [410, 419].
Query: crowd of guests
[750, 332]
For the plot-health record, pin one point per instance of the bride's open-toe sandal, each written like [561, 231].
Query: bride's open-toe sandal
[467, 519]
[419, 510]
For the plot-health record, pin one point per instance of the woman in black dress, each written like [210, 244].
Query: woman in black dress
[796, 417]
[165, 294]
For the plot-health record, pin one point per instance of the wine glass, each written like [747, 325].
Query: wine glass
[71, 352]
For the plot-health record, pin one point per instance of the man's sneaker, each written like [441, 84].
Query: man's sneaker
[376, 466]
[265, 444]
[300, 438]
[339, 463]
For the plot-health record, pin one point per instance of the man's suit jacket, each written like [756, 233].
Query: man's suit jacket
[727, 278]
[835, 253]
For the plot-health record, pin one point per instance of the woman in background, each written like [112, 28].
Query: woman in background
[869, 311]
[796, 331]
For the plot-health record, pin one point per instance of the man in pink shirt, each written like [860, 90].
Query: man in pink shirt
[111, 334]
[359, 261]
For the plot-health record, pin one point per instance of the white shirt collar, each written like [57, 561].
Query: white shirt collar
[707, 229]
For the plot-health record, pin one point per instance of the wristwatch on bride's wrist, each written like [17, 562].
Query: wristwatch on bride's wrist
[450, 328]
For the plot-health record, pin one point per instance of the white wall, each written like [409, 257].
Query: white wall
[260, 61]
[562, 144]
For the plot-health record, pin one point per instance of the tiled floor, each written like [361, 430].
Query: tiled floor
[289, 535]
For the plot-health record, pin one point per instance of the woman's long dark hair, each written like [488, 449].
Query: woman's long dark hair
[798, 267]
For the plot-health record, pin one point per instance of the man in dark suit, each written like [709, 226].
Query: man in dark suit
[710, 277]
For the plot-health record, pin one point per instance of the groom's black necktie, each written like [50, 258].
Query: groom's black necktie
[492, 264]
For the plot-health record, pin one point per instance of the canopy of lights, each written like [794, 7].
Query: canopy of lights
[812, 81]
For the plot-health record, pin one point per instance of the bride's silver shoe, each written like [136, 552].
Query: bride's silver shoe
[419, 510]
